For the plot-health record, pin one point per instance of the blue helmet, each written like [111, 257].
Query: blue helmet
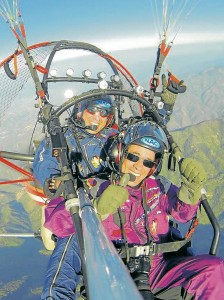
[148, 135]
[143, 133]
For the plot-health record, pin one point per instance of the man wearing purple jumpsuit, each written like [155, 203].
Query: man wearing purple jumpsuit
[139, 214]
[147, 207]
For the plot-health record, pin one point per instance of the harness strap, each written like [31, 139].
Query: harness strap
[154, 249]
[119, 217]
[80, 149]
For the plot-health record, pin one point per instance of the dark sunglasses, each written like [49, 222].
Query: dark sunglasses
[146, 162]
[93, 109]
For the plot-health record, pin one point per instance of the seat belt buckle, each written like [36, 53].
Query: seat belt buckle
[154, 247]
[145, 250]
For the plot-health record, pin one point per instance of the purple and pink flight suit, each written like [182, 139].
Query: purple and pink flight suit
[174, 277]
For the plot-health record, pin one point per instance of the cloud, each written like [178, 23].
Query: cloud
[200, 37]
[147, 42]
[140, 42]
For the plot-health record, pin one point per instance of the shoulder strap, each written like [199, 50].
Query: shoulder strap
[119, 219]
[145, 207]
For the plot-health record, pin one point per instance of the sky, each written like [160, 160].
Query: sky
[125, 28]
[129, 30]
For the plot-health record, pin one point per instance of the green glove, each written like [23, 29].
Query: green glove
[193, 176]
[112, 198]
[170, 91]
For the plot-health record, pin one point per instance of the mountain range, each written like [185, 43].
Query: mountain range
[203, 100]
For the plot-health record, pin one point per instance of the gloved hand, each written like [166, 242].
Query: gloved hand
[170, 91]
[113, 197]
[193, 176]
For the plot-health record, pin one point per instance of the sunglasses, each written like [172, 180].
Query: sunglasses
[93, 109]
[146, 162]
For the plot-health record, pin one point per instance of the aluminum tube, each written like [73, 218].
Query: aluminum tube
[107, 276]
[17, 235]
[17, 156]
[215, 226]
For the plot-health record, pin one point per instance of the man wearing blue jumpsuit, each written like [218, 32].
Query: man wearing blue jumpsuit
[90, 127]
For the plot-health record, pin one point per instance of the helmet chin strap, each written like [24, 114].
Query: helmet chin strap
[91, 127]
[81, 124]
[110, 120]
[153, 169]
[94, 127]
